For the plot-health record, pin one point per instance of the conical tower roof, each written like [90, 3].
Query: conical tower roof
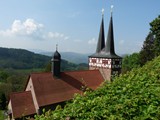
[101, 39]
[110, 39]
[108, 51]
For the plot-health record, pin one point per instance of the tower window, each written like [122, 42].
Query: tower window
[105, 61]
[93, 60]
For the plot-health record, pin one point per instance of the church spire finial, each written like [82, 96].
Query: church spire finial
[101, 38]
[112, 9]
[110, 38]
[56, 47]
[102, 12]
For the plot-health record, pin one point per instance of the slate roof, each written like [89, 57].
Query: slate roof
[110, 39]
[104, 54]
[101, 39]
[22, 104]
[108, 51]
[57, 55]
[50, 90]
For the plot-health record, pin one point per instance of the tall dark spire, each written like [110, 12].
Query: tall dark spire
[110, 39]
[101, 39]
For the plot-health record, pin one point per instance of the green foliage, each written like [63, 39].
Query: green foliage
[82, 66]
[151, 46]
[2, 101]
[10, 81]
[130, 61]
[2, 117]
[68, 66]
[21, 59]
[155, 29]
[147, 52]
[132, 96]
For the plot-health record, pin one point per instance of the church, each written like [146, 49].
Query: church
[46, 90]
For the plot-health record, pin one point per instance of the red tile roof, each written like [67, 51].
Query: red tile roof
[22, 104]
[50, 90]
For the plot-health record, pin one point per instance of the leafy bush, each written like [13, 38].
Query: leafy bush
[135, 95]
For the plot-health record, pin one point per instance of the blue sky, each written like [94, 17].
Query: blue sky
[74, 24]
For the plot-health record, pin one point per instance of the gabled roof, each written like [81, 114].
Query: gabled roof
[22, 104]
[50, 90]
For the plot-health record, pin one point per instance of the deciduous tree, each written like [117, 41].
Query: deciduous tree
[155, 29]
[147, 52]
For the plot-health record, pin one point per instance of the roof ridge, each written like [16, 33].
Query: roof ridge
[80, 71]
[63, 71]
[40, 73]
[20, 92]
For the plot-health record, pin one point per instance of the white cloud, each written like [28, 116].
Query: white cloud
[92, 41]
[27, 28]
[56, 35]
[31, 29]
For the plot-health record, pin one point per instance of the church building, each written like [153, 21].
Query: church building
[46, 90]
[105, 58]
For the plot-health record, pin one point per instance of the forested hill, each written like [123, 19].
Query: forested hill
[24, 59]
[21, 59]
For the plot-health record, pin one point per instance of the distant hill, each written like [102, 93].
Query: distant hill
[76, 58]
[21, 59]
[24, 59]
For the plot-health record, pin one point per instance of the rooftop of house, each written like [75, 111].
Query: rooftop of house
[22, 104]
[50, 90]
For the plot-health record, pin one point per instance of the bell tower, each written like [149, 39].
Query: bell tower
[105, 58]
